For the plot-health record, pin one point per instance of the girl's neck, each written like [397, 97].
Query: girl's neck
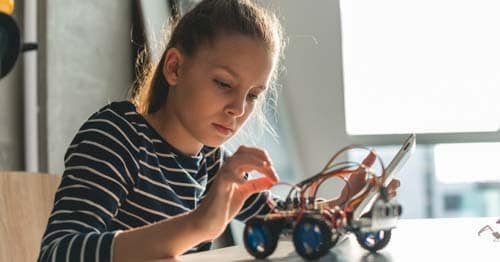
[172, 131]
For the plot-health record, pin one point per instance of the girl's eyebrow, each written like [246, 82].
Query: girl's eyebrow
[228, 70]
[235, 75]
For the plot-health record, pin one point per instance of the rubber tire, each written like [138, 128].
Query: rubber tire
[323, 238]
[379, 244]
[260, 230]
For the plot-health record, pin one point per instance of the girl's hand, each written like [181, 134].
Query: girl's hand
[391, 188]
[230, 190]
[358, 179]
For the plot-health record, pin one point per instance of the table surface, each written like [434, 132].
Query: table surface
[451, 239]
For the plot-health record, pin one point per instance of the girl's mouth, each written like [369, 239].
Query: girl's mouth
[223, 130]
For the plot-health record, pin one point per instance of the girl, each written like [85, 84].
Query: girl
[147, 179]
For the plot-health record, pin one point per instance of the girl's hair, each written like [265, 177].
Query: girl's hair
[200, 26]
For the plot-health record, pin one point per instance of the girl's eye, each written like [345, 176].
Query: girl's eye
[221, 84]
[253, 97]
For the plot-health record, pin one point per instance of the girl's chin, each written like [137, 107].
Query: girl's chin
[216, 142]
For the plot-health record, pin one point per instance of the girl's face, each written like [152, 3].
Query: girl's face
[213, 93]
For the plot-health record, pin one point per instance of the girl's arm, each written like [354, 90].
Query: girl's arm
[167, 238]
[225, 198]
[100, 171]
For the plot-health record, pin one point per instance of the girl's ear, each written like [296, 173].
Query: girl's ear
[171, 67]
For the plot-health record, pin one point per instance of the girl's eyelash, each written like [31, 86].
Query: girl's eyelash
[253, 97]
[221, 83]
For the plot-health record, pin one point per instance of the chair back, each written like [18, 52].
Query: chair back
[26, 200]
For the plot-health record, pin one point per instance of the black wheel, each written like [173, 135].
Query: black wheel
[374, 241]
[335, 239]
[312, 238]
[259, 238]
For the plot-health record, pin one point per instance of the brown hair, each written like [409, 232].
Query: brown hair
[202, 25]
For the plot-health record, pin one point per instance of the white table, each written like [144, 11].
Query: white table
[454, 239]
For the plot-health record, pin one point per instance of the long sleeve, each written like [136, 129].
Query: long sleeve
[100, 170]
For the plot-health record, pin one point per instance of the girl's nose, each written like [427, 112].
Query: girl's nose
[236, 108]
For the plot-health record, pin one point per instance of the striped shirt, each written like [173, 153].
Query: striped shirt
[120, 174]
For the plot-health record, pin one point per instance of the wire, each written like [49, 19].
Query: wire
[304, 193]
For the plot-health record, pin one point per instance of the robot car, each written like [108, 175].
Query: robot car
[316, 226]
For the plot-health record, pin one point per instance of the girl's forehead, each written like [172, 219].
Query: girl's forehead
[234, 44]
[237, 50]
[243, 57]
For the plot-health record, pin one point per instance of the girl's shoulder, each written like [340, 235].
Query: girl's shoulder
[124, 109]
[116, 120]
[121, 112]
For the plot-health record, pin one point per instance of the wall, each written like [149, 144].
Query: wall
[88, 63]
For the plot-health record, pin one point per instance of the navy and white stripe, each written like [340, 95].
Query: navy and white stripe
[120, 174]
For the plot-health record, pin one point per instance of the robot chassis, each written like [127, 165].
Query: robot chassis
[316, 226]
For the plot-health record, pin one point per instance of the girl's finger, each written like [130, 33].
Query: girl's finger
[263, 168]
[261, 153]
[244, 163]
[392, 194]
[255, 185]
[370, 159]
[394, 184]
[367, 162]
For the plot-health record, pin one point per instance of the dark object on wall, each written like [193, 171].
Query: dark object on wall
[10, 43]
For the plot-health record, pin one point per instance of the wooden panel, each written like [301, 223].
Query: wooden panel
[26, 200]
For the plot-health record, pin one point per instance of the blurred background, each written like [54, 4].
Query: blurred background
[356, 72]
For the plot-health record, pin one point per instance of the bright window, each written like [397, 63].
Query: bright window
[425, 66]
[466, 163]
